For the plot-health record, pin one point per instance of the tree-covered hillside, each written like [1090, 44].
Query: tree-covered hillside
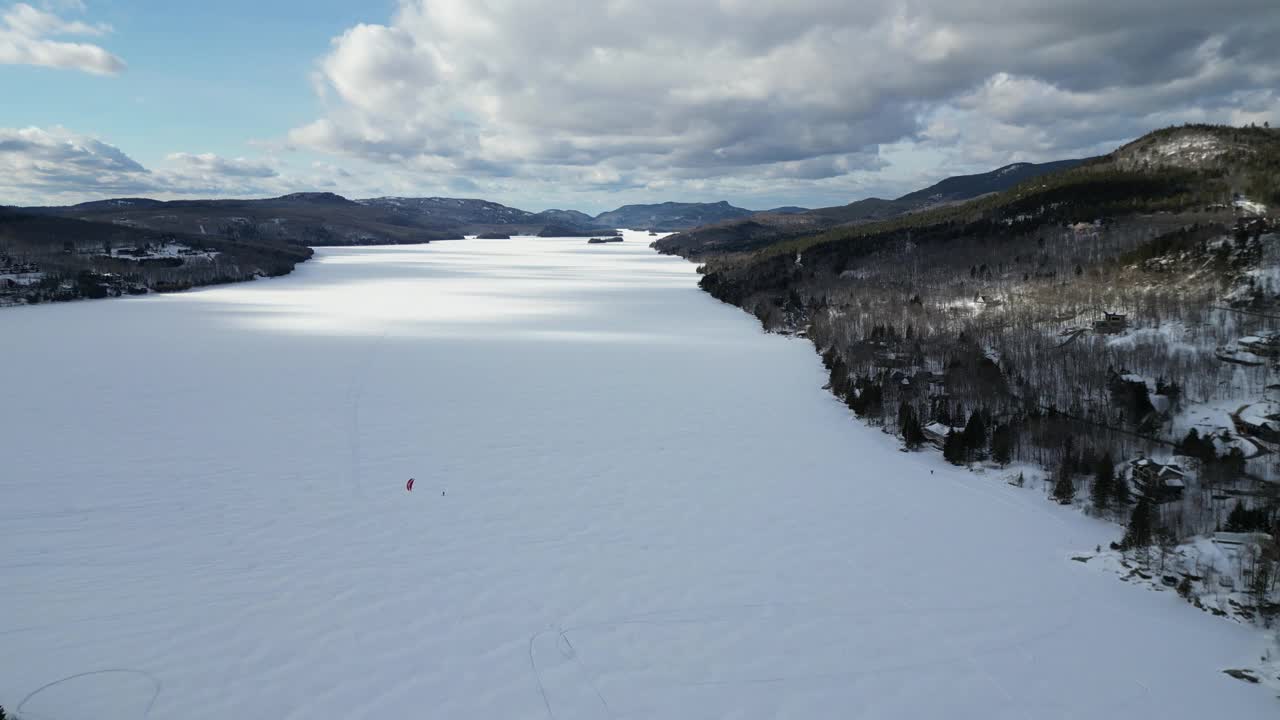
[1126, 308]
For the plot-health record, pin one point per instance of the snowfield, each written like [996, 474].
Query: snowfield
[629, 503]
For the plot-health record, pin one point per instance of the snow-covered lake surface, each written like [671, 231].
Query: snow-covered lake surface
[629, 503]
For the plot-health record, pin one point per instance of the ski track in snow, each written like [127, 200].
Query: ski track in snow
[653, 510]
[157, 686]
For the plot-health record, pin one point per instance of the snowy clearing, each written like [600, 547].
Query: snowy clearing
[165, 250]
[629, 502]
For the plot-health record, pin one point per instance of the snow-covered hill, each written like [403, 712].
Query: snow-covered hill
[1196, 147]
[204, 516]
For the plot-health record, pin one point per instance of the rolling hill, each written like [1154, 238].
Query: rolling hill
[670, 216]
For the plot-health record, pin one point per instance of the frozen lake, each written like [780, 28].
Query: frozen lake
[629, 503]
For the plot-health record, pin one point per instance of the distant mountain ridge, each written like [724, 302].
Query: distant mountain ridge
[760, 229]
[301, 219]
[454, 211]
[326, 218]
[670, 216]
[566, 217]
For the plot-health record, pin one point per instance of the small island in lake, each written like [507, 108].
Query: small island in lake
[602, 240]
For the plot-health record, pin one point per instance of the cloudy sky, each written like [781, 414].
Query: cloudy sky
[590, 105]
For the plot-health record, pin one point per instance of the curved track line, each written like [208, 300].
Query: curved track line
[542, 689]
[155, 682]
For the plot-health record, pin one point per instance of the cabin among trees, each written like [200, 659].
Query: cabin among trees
[936, 433]
[1163, 483]
[1264, 344]
[1263, 428]
[1111, 323]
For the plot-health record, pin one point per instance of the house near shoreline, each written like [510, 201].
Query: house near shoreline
[1264, 344]
[1161, 482]
[935, 433]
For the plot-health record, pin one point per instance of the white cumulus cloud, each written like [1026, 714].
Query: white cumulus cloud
[58, 166]
[27, 38]
[211, 164]
[706, 94]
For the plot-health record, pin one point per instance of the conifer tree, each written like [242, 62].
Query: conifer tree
[975, 436]
[1261, 582]
[943, 413]
[839, 377]
[1233, 461]
[1064, 489]
[1103, 481]
[953, 450]
[912, 434]
[1197, 447]
[1069, 455]
[1120, 491]
[1184, 587]
[1002, 444]
[1139, 532]
[1243, 519]
[1236, 520]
